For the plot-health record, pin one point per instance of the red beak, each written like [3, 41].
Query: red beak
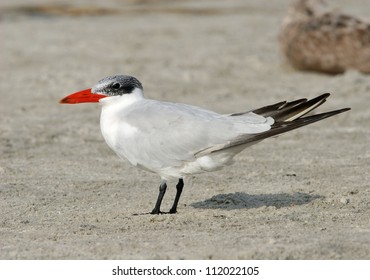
[82, 96]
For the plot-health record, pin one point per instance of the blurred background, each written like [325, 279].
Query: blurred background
[57, 173]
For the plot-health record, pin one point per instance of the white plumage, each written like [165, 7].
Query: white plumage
[165, 137]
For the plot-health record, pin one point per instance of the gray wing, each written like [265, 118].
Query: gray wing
[169, 133]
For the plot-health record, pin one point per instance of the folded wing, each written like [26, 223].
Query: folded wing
[287, 116]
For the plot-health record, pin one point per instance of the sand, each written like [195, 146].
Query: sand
[65, 195]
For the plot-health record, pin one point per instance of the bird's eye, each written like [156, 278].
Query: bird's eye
[116, 86]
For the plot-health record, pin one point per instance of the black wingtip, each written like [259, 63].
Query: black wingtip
[345, 109]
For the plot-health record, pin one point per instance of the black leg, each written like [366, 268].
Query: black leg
[179, 187]
[162, 191]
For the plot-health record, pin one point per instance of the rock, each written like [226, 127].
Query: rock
[344, 200]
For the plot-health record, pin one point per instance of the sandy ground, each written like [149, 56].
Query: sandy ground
[65, 195]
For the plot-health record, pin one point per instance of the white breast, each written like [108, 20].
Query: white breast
[118, 134]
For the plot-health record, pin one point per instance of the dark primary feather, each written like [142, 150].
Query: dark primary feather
[281, 127]
[287, 116]
[298, 108]
[267, 110]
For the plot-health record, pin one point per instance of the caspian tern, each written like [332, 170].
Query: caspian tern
[175, 140]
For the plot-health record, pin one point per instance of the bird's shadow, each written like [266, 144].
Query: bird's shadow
[240, 200]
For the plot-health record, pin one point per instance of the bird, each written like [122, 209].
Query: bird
[175, 140]
[314, 37]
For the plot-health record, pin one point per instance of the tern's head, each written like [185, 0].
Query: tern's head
[117, 85]
[112, 86]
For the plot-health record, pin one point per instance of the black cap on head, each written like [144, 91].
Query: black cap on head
[117, 85]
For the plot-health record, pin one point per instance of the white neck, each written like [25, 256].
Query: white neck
[120, 102]
[112, 115]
